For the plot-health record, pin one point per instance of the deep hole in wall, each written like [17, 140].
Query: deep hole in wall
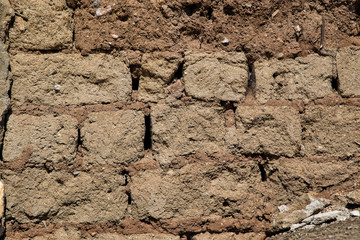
[148, 137]
[135, 76]
[335, 84]
[262, 172]
[179, 72]
[251, 86]
[191, 9]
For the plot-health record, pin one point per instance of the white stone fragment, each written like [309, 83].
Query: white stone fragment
[283, 208]
[103, 11]
[296, 226]
[355, 213]
[225, 41]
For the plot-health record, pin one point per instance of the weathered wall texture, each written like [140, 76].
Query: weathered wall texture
[176, 119]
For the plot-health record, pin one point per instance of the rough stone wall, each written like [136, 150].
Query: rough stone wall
[176, 119]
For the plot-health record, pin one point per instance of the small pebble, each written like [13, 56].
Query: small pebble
[76, 173]
[57, 87]
[225, 41]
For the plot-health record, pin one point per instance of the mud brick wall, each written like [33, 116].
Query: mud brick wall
[174, 119]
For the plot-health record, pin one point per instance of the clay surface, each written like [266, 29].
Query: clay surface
[64, 79]
[186, 129]
[303, 78]
[348, 71]
[113, 137]
[37, 140]
[268, 130]
[216, 76]
[331, 131]
[36, 194]
[41, 25]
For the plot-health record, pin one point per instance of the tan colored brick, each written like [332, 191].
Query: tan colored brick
[37, 140]
[69, 79]
[216, 188]
[332, 131]
[216, 76]
[42, 25]
[157, 72]
[348, 66]
[96, 196]
[303, 78]
[5, 17]
[113, 137]
[187, 129]
[268, 130]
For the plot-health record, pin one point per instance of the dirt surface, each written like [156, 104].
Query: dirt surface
[280, 28]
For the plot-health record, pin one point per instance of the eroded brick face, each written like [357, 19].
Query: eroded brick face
[113, 137]
[69, 79]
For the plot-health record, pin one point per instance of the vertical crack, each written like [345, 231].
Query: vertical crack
[135, 70]
[251, 86]
[179, 72]
[262, 172]
[3, 123]
[335, 83]
[148, 137]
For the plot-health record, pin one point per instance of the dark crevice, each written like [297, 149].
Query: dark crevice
[79, 141]
[148, 137]
[129, 201]
[228, 105]
[229, 10]
[335, 84]
[262, 172]
[251, 86]
[3, 122]
[270, 233]
[50, 51]
[187, 235]
[135, 70]
[357, 7]
[352, 206]
[179, 72]
[226, 203]
[191, 9]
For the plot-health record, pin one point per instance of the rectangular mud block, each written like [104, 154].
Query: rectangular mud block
[220, 187]
[157, 72]
[331, 131]
[302, 78]
[42, 25]
[300, 175]
[216, 76]
[69, 79]
[186, 129]
[37, 140]
[115, 137]
[348, 67]
[35, 195]
[268, 130]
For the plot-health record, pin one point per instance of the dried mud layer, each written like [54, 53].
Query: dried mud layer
[180, 120]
